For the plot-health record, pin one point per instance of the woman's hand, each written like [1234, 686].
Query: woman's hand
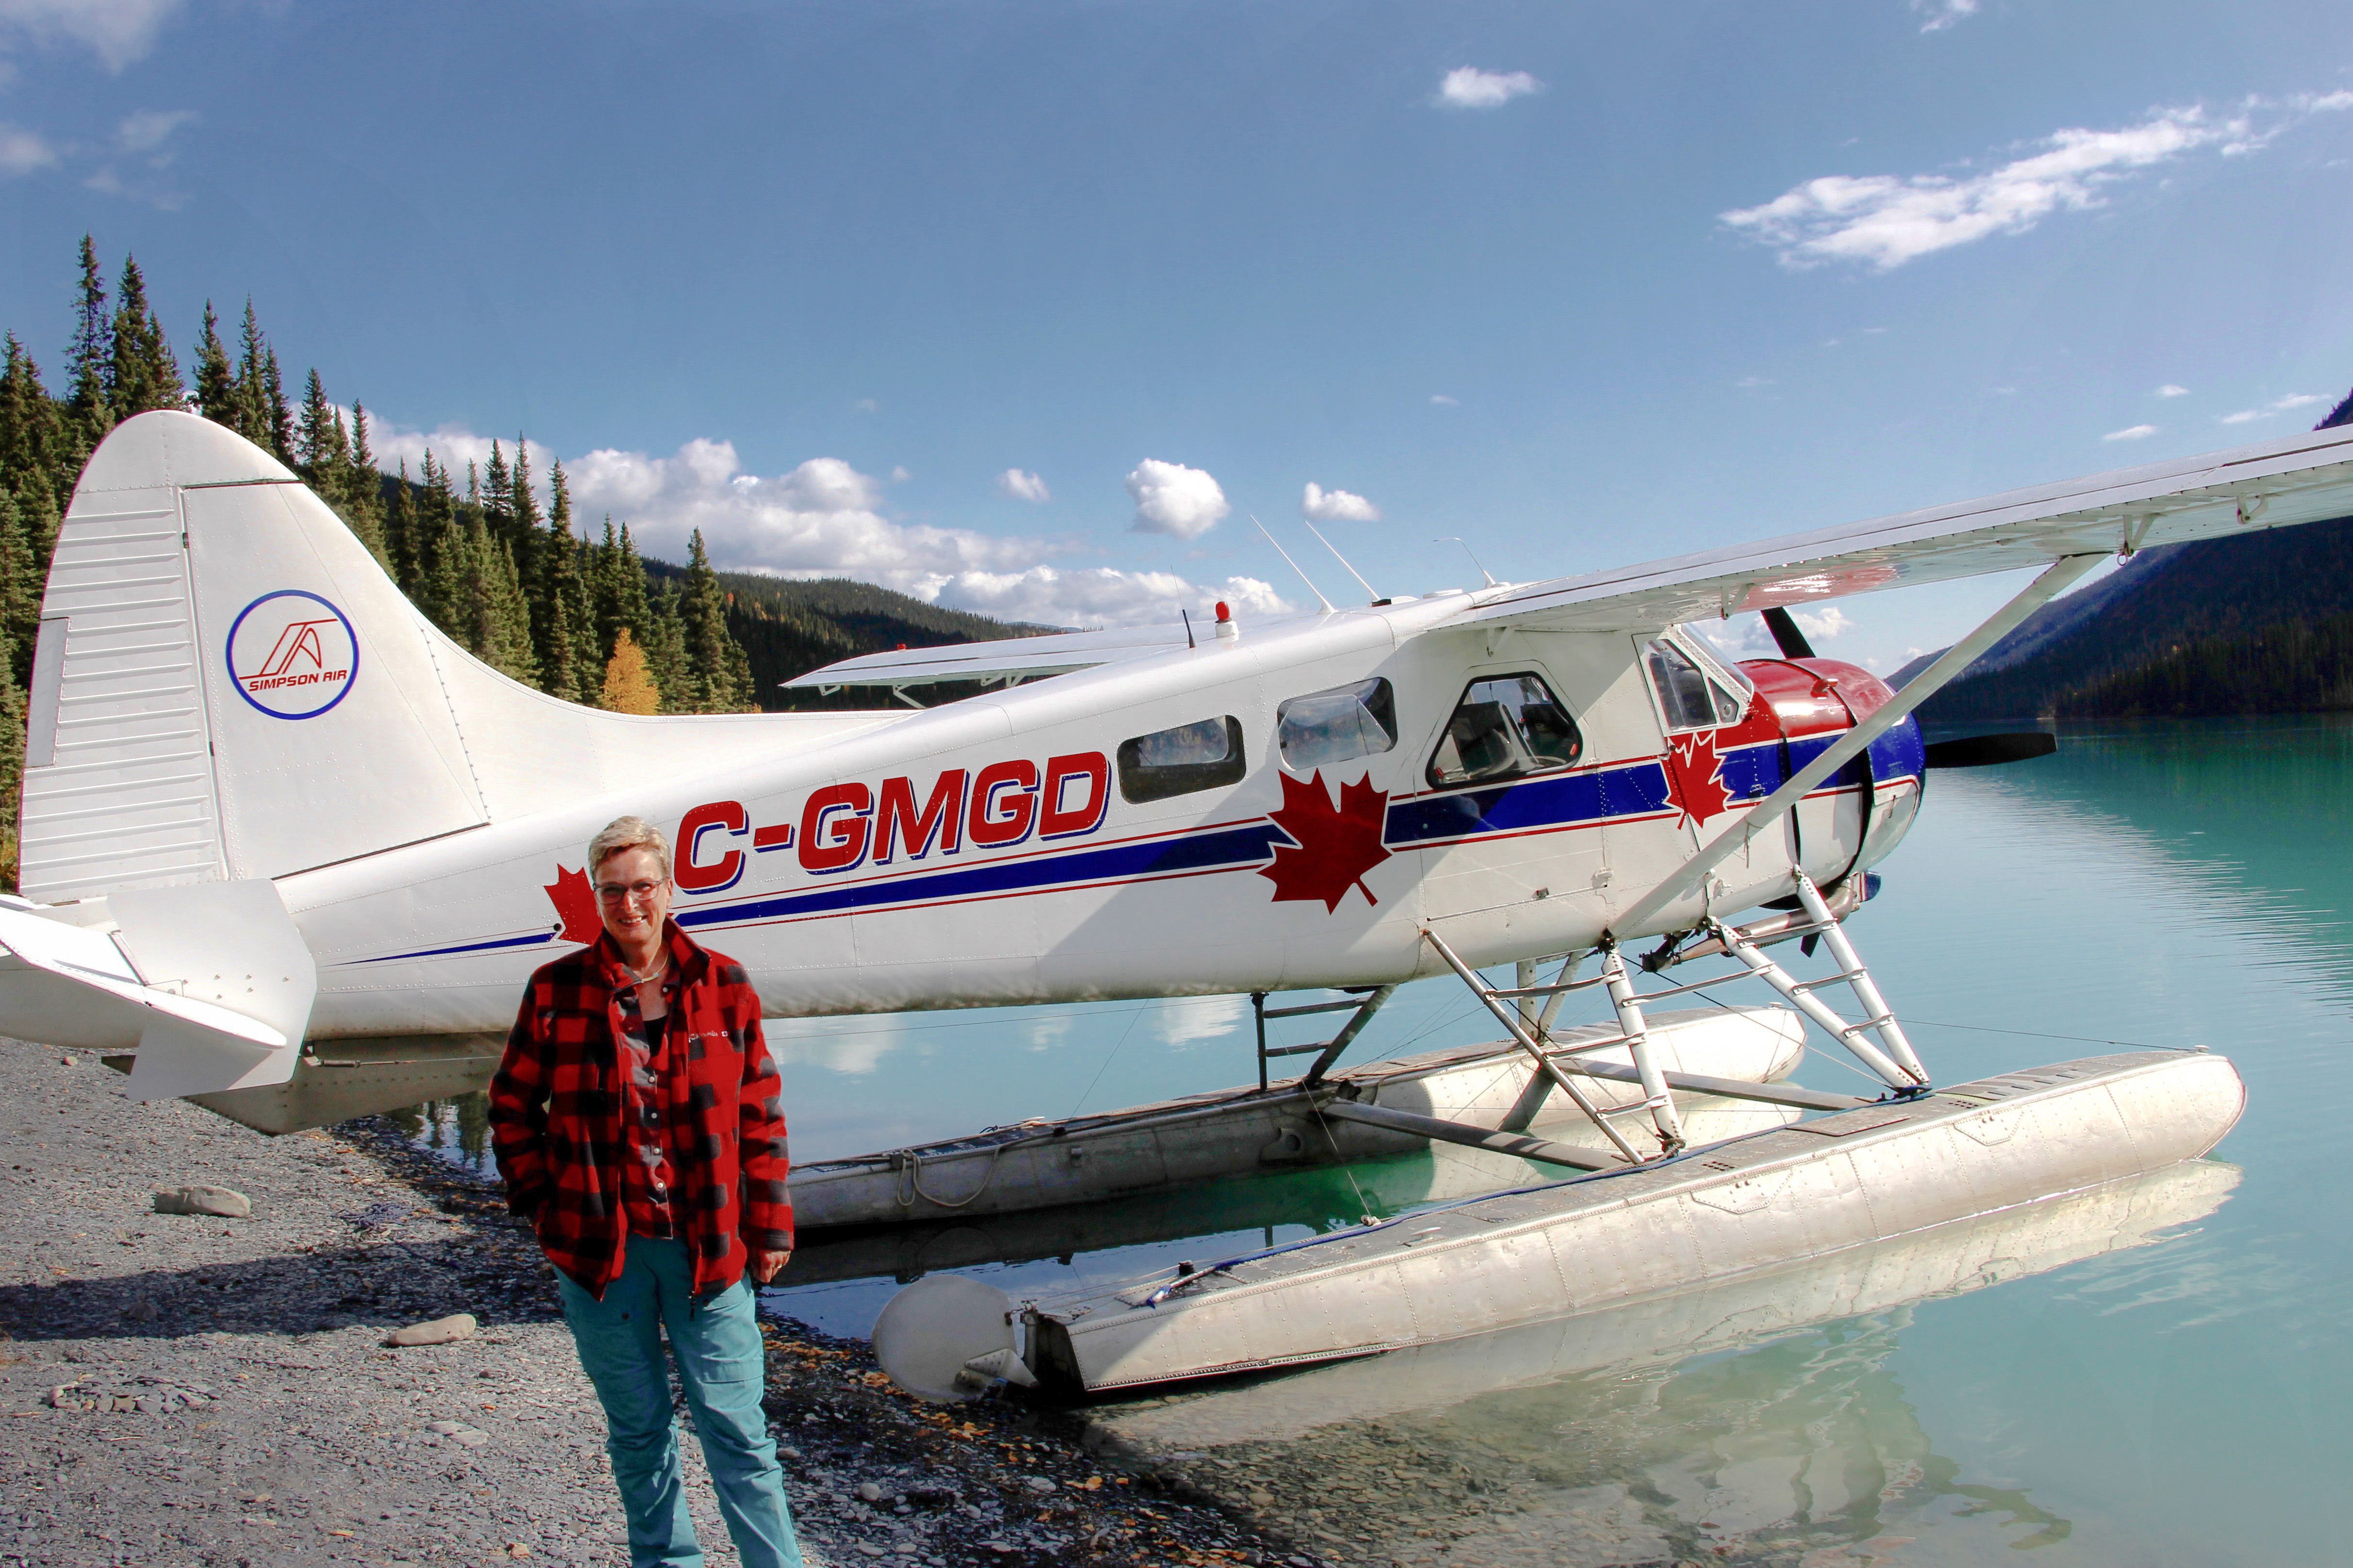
[765, 1266]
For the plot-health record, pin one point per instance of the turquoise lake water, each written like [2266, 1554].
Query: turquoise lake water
[2187, 1399]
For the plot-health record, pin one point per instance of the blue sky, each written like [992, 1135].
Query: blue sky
[1026, 306]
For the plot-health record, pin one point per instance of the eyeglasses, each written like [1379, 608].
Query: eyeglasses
[614, 892]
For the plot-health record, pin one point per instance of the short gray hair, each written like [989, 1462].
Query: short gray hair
[628, 832]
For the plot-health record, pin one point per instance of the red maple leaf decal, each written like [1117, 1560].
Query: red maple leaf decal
[575, 900]
[1696, 777]
[1330, 850]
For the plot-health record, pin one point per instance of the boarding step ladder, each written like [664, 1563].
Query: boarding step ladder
[1362, 1001]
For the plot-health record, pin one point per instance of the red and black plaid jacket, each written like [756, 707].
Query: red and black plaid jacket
[556, 1106]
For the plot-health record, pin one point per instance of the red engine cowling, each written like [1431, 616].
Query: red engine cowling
[1815, 696]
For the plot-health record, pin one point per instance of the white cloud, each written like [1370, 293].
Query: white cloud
[1886, 220]
[2130, 433]
[1943, 14]
[1468, 86]
[1173, 499]
[2171, 390]
[1754, 381]
[1014, 484]
[1183, 1022]
[1748, 636]
[1320, 505]
[118, 31]
[22, 151]
[824, 519]
[2276, 406]
[150, 129]
[1439, 400]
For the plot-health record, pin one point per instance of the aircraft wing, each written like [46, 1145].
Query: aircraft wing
[2297, 478]
[1011, 658]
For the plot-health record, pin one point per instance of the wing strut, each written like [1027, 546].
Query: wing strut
[2053, 580]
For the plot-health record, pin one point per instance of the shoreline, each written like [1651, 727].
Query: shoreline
[248, 1412]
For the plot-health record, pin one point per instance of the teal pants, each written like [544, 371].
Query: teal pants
[715, 1339]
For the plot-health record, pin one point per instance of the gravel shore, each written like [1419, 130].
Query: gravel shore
[178, 1389]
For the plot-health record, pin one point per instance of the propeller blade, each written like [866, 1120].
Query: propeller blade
[1786, 635]
[1985, 751]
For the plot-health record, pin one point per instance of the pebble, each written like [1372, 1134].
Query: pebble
[438, 1331]
[202, 1197]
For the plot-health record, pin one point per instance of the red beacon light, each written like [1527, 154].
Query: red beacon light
[1226, 627]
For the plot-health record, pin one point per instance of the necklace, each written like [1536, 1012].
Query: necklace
[650, 975]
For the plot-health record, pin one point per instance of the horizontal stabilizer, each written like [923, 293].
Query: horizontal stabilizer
[211, 984]
[1013, 658]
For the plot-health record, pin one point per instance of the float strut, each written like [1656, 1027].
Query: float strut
[1801, 997]
[1655, 1097]
[1866, 992]
[1510, 1018]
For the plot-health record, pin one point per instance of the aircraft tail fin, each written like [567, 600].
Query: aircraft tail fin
[226, 686]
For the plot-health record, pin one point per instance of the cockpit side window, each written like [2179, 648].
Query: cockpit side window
[1324, 728]
[1505, 727]
[1688, 698]
[1190, 757]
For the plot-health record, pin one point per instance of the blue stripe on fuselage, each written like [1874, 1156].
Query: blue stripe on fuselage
[1233, 847]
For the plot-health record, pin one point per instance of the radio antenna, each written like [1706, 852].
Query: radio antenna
[1450, 539]
[1370, 592]
[1188, 627]
[1287, 561]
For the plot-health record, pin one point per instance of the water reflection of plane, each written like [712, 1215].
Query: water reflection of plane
[1322, 1198]
[1799, 1439]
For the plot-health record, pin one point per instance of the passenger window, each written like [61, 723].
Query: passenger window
[1687, 698]
[1505, 726]
[1180, 760]
[1327, 727]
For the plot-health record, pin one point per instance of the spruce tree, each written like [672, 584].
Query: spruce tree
[495, 499]
[11, 759]
[36, 511]
[280, 416]
[619, 590]
[216, 392]
[628, 687]
[667, 659]
[320, 449]
[496, 617]
[141, 374]
[253, 382]
[32, 435]
[89, 414]
[440, 550]
[710, 651]
[564, 628]
[400, 533]
[20, 590]
[363, 491]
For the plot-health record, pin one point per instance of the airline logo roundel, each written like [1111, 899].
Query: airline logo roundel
[292, 654]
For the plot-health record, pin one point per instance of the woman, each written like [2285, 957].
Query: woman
[640, 1128]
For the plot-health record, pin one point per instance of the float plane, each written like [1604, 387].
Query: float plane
[288, 851]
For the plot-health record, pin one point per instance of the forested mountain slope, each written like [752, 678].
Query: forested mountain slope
[2083, 654]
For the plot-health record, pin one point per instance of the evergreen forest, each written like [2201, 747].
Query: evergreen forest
[530, 591]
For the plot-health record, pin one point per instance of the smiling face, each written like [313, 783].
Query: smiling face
[633, 897]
